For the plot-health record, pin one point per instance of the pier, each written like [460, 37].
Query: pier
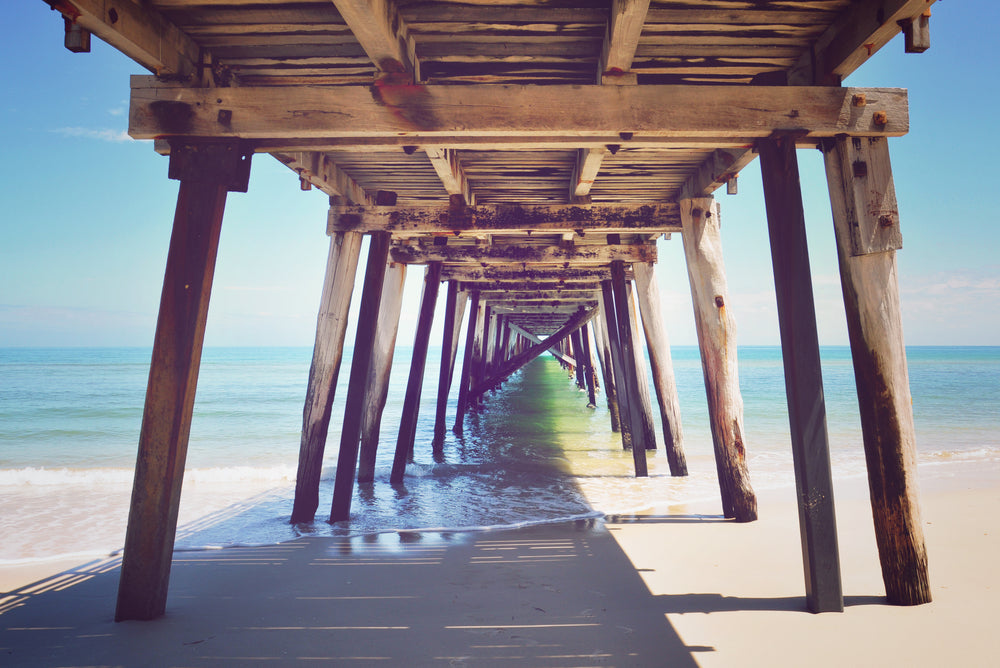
[530, 157]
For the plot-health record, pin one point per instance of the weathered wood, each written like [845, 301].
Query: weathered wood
[716, 329]
[871, 297]
[331, 327]
[501, 296]
[577, 255]
[588, 164]
[454, 308]
[720, 167]
[321, 171]
[381, 368]
[576, 342]
[660, 360]
[445, 163]
[364, 343]
[607, 372]
[590, 378]
[437, 114]
[415, 382]
[526, 273]
[641, 373]
[535, 339]
[170, 393]
[622, 39]
[630, 385]
[515, 363]
[381, 32]
[803, 374]
[468, 363]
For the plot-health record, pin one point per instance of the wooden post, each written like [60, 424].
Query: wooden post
[717, 340]
[803, 375]
[207, 171]
[577, 345]
[465, 381]
[589, 375]
[867, 228]
[610, 329]
[482, 353]
[641, 374]
[454, 309]
[381, 367]
[607, 372]
[415, 382]
[663, 368]
[364, 344]
[331, 326]
[627, 355]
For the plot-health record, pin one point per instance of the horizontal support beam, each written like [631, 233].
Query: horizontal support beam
[535, 339]
[526, 273]
[594, 254]
[429, 112]
[541, 308]
[538, 295]
[555, 287]
[319, 170]
[716, 170]
[652, 217]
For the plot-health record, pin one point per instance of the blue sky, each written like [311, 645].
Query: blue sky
[87, 212]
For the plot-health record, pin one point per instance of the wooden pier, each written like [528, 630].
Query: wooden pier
[531, 157]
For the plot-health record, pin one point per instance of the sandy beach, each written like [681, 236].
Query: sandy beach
[673, 586]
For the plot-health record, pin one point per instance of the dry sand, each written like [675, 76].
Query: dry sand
[675, 586]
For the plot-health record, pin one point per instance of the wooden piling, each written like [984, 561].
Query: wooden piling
[381, 368]
[465, 380]
[415, 381]
[609, 326]
[364, 343]
[662, 365]
[331, 327]
[803, 374]
[717, 341]
[607, 372]
[577, 345]
[626, 347]
[641, 373]
[866, 223]
[589, 376]
[454, 309]
[207, 171]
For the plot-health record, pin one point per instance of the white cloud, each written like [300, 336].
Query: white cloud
[105, 134]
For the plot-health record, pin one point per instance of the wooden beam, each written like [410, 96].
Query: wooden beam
[538, 295]
[576, 255]
[331, 328]
[622, 36]
[138, 31]
[382, 33]
[647, 217]
[641, 374]
[204, 172]
[607, 372]
[415, 381]
[364, 343]
[803, 374]
[859, 32]
[541, 308]
[719, 168]
[449, 170]
[626, 345]
[579, 318]
[658, 345]
[465, 380]
[588, 164]
[454, 309]
[555, 288]
[319, 170]
[381, 368]
[871, 297]
[716, 329]
[525, 272]
[536, 339]
[439, 114]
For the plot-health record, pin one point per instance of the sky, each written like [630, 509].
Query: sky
[86, 212]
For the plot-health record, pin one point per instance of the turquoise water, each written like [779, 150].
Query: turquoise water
[69, 422]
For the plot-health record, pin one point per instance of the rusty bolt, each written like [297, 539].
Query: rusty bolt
[880, 118]
[696, 212]
[860, 169]
[719, 301]
[885, 220]
[225, 116]
[859, 100]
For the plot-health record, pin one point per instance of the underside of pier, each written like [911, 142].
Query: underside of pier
[529, 154]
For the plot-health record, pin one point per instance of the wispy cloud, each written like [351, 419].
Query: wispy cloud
[104, 134]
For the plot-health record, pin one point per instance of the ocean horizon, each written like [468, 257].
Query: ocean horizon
[70, 418]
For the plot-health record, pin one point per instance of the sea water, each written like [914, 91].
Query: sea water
[534, 452]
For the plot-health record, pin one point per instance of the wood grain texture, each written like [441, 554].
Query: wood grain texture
[716, 328]
[871, 298]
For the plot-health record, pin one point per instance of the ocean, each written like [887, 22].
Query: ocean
[534, 452]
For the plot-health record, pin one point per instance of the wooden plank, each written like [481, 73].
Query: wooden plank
[465, 380]
[651, 217]
[622, 38]
[415, 381]
[138, 31]
[803, 374]
[380, 369]
[322, 172]
[382, 33]
[439, 114]
[871, 298]
[331, 328]
[577, 255]
[364, 343]
[852, 38]
[575, 321]
[170, 393]
[658, 344]
[716, 329]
